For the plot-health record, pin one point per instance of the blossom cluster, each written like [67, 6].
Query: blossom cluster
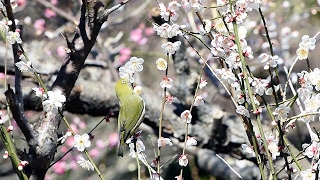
[132, 66]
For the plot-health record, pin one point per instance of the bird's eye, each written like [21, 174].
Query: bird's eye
[123, 81]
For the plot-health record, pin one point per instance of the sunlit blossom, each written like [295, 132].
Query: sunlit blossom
[312, 104]
[135, 64]
[54, 101]
[302, 53]
[161, 64]
[308, 174]
[14, 37]
[81, 142]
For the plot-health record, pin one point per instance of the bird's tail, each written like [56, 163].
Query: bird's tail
[120, 150]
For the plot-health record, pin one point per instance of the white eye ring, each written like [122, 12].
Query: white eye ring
[123, 82]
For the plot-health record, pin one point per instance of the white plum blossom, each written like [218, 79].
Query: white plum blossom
[54, 101]
[198, 101]
[39, 91]
[57, 97]
[226, 75]
[5, 155]
[243, 111]
[186, 116]
[170, 47]
[220, 26]
[208, 25]
[253, 4]
[85, 164]
[174, 5]
[304, 92]
[246, 50]
[302, 53]
[312, 104]
[24, 66]
[191, 141]
[273, 146]
[308, 174]
[135, 64]
[239, 96]
[223, 6]
[161, 64]
[162, 142]
[315, 78]
[260, 85]
[270, 61]
[140, 147]
[195, 5]
[166, 82]
[167, 13]
[222, 45]
[81, 142]
[183, 160]
[281, 112]
[233, 60]
[127, 73]
[14, 37]
[248, 149]
[311, 150]
[242, 31]
[269, 90]
[307, 42]
[274, 149]
[4, 28]
[167, 31]
[203, 83]
[137, 89]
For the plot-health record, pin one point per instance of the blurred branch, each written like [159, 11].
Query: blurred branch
[56, 9]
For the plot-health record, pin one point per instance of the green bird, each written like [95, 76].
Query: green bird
[131, 114]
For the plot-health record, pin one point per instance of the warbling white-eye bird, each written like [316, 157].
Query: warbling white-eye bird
[131, 114]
